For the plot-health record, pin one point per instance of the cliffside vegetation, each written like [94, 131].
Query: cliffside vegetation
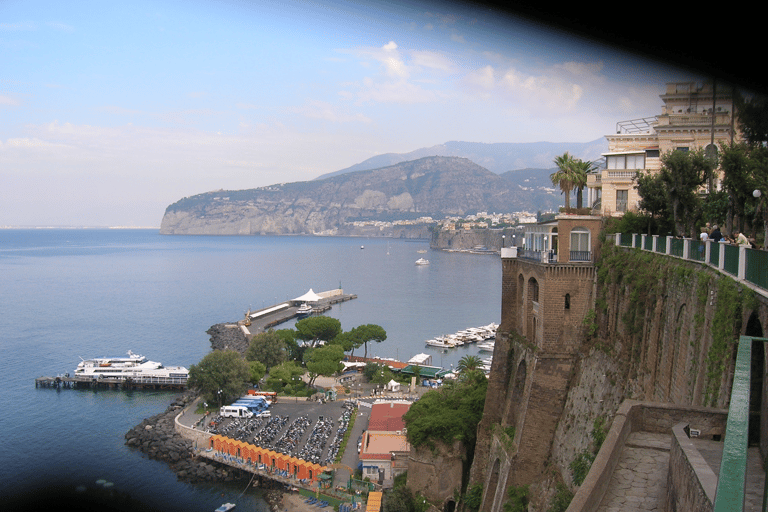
[633, 307]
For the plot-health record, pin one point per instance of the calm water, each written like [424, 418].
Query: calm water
[68, 294]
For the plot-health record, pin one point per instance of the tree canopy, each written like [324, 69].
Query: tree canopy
[267, 347]
[315, 329]
[220, 376]
[325, 360]
[362, 334]
[433, 417]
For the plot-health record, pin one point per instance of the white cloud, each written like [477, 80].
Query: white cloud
[8, 101]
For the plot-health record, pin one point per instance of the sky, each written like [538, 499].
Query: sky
[111, 111]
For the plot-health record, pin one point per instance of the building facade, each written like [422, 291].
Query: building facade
[547, 290]
[693, 117]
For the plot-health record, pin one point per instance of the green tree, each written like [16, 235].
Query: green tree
[315, 329]
[325, 360]
[752, 117]
[433, 417]
[284, 376]
[220, 376]
[580, 171]
[258, 371]
[268, 348]
[683, 172]
[564, 176]
[469, 363]
[362, 334]
[738, 182]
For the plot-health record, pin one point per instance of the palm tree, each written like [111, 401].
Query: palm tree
[580, 171]
[564, 176]
[469, 363]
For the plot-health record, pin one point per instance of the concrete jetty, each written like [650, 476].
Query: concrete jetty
[256, 322]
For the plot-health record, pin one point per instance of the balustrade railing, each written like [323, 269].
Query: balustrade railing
[742, 262]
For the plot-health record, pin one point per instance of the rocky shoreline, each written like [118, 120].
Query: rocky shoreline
[227, 336]
[157, 438]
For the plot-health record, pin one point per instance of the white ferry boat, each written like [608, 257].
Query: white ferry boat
[134, 367]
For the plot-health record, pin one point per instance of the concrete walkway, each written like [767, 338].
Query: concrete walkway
[639, 482]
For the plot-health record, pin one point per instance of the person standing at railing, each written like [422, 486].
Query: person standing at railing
[742, 240]
[715, 235]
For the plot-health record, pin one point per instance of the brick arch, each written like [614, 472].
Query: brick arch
[492, 488]
[532, 295]
[516, 394]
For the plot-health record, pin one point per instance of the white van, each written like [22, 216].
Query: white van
[235, 411]
[264, 414]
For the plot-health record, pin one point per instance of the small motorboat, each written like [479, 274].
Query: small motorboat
[422, 261]
[225, 507]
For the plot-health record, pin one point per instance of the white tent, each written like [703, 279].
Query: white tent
[310, 296]
[393, 385]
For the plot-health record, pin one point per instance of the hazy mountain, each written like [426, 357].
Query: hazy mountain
[432, 186]
[497, 157]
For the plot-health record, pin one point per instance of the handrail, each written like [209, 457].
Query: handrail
[733, 468]
[744, 264]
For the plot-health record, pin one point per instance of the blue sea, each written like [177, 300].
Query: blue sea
[72, 293]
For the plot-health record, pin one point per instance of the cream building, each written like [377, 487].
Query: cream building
[694, 116]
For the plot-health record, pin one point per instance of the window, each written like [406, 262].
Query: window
[622, 196]
[567, 301]
[580, 246]
[633, 161]
[652, 153]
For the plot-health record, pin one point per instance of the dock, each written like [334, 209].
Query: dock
[68, 382]
[256, 322]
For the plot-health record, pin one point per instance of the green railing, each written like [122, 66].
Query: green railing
[753, 270]
[714, 255]
[676, 246]
[698, 250]
[733, 468]
[731, 263]
[757, 268]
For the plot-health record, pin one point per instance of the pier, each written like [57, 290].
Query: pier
[256, 322]
[67, 382]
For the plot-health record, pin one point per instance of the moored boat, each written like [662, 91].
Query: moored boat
[134, 367]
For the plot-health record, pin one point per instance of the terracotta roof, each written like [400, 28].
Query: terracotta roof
[388, 416]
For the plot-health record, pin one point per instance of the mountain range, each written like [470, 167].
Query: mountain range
[350, 201]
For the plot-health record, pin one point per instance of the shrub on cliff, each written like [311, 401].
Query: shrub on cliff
[448, 414]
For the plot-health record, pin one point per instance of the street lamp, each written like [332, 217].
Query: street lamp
[756, 194]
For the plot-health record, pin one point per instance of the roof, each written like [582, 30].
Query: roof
[429, 372]
[380, 445]
[310, 296]
[388, 362]
[388, 416]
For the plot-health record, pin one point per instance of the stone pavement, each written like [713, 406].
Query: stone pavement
[639, 481]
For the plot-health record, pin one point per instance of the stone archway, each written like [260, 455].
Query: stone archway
[490, 489]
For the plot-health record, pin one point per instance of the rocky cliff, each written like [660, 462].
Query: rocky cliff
[355, 203]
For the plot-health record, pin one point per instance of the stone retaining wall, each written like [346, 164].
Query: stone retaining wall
[634, 416]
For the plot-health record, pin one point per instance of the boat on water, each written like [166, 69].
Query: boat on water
[486, 346]
[135, 367]
[422, 261]
[225, 507]
[304, 309]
